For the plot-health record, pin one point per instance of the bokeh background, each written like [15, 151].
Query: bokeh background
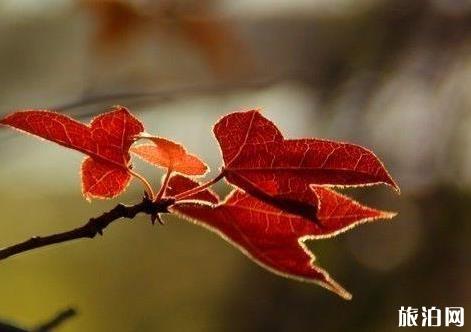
[392, 75]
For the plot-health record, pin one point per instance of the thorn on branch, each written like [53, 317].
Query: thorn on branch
[153, 218]
[156, 216]
[161, 206]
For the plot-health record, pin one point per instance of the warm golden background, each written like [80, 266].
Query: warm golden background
[392, 75]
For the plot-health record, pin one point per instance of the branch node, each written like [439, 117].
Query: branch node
[94, 228]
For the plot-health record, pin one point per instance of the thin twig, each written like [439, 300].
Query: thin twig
[10, 327]
[93, 227]
[147, 186]
[200, 188]
[159, 195]
[164, 185]
[60, 318]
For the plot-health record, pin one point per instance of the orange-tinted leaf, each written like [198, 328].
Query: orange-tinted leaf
[170, 155]
[272, 237]
[106, 140]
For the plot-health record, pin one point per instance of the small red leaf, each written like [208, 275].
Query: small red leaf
[258, 159]
[106, 141]
[170, 155]
[103, 180]
[272, 237]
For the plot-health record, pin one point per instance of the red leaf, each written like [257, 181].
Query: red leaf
[101, 179]
[106, 140]
[272, 237]
[170, 155]
[259, 160]
[337, 213]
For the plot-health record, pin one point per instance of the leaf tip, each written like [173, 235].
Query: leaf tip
[340, 291]
[390, 182]
[333, 286]
[86, 194]
[397, 189]
[119, 108]
[4, 119]
[387, 215]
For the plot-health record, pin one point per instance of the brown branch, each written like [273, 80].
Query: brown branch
[93, 227]
[60, 318]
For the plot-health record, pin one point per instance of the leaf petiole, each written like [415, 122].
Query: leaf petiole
[144, 181]
[164, 185]
[200, 188]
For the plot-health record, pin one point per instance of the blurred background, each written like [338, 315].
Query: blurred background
[391, 75]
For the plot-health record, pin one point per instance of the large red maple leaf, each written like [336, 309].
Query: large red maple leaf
[270, 236]
[259, 160]
[106, 141]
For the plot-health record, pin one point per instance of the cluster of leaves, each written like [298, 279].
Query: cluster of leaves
[282, 193]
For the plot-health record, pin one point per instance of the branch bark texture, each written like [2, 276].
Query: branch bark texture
[93, 227]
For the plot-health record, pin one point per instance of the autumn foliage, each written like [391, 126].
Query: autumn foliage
[282, 188]
[106, 142]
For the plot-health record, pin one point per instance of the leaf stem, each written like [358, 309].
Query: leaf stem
[144, 181]
[164, 185]
[200, 188]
